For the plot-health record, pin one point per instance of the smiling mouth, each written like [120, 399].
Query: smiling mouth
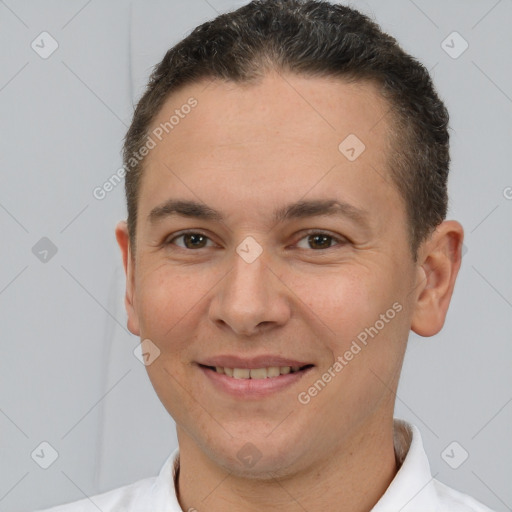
[257, 373]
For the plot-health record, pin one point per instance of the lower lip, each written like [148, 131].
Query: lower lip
[252, 388]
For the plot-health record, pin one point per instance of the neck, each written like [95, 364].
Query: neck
[352, 478]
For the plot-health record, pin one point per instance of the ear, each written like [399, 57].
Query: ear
[123, 241]
[439, 260]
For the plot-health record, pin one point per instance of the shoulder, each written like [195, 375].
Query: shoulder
[129, 498]
[451, 500]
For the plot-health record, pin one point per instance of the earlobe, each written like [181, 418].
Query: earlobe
[439, 265]
[123, 241]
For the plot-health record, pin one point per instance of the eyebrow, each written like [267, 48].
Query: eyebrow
[297, 210]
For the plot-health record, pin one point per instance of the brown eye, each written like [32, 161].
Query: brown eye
[191, 240]
[319, 240]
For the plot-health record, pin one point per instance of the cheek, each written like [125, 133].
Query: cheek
[362, 321]
[345, 301]
[166, 300]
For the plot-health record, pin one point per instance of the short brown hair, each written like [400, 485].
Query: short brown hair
[313, 38]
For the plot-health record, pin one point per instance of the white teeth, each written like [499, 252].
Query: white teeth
[241, 373]
[273, 371]
[256, 373]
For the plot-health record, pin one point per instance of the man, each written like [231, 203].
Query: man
[286, 190]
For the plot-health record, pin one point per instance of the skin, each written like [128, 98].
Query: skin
[246, 150]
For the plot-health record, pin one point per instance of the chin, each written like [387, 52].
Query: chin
[257, 457]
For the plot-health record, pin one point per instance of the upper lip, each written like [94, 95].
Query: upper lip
[262, 361]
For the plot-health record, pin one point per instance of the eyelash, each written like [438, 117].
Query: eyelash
[339, 240]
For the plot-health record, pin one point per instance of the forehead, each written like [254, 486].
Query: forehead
[299, 108]
[283, 136]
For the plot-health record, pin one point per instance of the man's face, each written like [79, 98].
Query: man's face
[247, 151]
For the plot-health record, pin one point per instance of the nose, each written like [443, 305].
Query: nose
[251, 298]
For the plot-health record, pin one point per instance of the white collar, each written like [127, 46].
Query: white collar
[413, 488]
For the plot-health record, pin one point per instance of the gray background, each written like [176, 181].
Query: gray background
[68, 372]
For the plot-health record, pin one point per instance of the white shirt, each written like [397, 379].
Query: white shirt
[412, 490]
